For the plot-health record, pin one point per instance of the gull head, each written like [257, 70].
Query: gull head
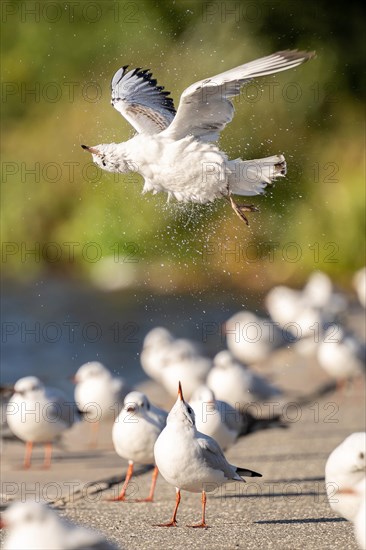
[92, 370]
[157, 337]
[110, 157]
[181, 414]
[27, 385]
[224, 359]
[203, 394]
[136, 403]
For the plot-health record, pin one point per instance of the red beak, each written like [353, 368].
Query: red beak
[180, 392]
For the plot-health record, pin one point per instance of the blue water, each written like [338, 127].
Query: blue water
[51, 327]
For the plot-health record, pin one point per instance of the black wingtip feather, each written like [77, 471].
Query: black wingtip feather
[146, 75]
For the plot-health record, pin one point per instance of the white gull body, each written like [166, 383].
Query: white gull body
[359, 283]
[345, 468]
[38, 414]
[154, 349]
[175, 152]
[98, 392]
[236, 384]
[34, 526]
[225, 423]
[252, 339]
[190, 460]
[342, 355]
[134, 434]
[183, 363]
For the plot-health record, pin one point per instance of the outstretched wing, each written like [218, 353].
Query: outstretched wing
[137, 97]
[205, 107]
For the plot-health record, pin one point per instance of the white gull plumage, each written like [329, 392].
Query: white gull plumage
[134, 434]
[33, 526]
[39, 414]
[175, 152]
[190, 460]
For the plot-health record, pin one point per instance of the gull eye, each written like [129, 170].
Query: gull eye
[361, 456]
[103, 162]
[189, 410]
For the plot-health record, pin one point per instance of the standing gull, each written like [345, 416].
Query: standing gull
[134, 434]
[175, 152]
[190, 460]
[37, 414]
[98, 394]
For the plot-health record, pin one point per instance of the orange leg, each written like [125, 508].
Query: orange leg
[28, 454]
[150, 498]
[47, 455]
[121, 496]
[203, 523]
[94, 434]
[173, 521]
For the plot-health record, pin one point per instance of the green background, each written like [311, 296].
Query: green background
[57, 62]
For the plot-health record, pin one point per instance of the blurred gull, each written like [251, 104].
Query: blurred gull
[237, 384]
[225, 423]
[359, 283]
[360, 518]
[155, 344]
[299, 310]
[190, 460]
[252, 339]
[183, 363]
[176, 152]
[34, 526]
[341, 354]
[345, 468]
[167, 360]
[37, 414]
[134, 434]
[99, 395]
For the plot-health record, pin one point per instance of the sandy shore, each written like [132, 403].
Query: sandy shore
[286, 509]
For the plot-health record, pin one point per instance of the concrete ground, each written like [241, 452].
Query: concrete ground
[287, 508]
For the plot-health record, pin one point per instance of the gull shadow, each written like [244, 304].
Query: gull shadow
[305, 520]
[289, 456]
[296, 480]
[275, 495]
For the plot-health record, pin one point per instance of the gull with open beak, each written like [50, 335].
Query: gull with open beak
[190, 460]
[134, 434]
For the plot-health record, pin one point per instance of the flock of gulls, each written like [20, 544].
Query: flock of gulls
[212, 410]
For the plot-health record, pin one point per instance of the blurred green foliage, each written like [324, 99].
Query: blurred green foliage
[57, 62]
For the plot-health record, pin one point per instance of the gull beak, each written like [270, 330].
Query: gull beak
[2, 524]
[347, 491]
[131, 409]
[72, 379]
[6, 390]
[180, 392]
[91, 150]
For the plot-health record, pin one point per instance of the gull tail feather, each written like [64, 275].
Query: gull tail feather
[243, 472]
[251, 177]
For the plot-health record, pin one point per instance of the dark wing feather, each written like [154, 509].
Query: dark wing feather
[144, 104]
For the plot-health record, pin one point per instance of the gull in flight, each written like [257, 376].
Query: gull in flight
[175, 151]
